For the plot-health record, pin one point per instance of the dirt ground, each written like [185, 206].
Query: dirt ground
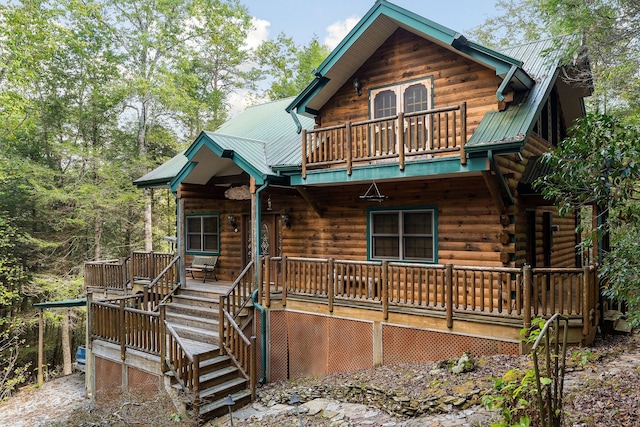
[604, 391]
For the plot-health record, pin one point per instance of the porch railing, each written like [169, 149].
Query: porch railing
[233, 340]
[146, 266]
[453, 291]
[428, 132]
[108, 274]
[163, 286]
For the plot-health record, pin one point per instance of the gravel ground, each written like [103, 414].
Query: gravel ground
[602, 388]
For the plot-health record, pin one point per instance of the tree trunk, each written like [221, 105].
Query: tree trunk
[97, 237]
[67, 368]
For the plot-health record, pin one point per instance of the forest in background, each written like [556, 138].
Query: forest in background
[94, 94]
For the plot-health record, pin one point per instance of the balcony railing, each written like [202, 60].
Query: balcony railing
[453, 291]
[426, 133]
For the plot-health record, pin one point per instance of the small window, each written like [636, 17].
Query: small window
[384, 104]
[406, 97]
[202, 233]
[402, 235]
[415, 98]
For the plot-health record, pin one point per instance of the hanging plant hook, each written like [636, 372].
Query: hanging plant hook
[373, 194]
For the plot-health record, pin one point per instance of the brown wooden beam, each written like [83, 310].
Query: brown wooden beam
[494, 190]
[307, 197]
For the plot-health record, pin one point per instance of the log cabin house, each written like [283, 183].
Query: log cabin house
[384, 215]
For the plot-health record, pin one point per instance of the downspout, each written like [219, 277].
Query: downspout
[505, 83]
[263, 335]
[294, 116]
[257, 277]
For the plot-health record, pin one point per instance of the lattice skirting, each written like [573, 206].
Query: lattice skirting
[303, 344]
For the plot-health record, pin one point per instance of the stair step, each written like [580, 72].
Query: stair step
[201, 292]
[219, 407]
[224, 389]
[192, 310]
[191, 321]
[197, 301]
[219, 376]
[199, 335]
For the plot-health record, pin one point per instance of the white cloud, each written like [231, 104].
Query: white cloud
[337, 31]
[258, 33]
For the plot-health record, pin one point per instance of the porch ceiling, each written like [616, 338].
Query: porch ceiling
[209, 165]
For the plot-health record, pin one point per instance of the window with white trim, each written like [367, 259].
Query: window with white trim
[407, 97]
[405, 235]
[203, 233]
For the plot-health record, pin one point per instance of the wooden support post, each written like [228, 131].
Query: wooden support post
[41, 347]
[448, 280]
[330, 284]
[463, 132]
[349, 148]
[122, 331]
[304, 154]
[252, 367]
[265, 284]
[284, 281]
[586, 298]
[267, 293]
[385, 289]
[527, 289]
[400, 140]
[162, 337]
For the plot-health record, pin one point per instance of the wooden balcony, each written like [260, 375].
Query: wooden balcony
[430, 133]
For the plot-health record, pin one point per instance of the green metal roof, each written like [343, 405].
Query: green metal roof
[163, 174]
[255, 140]
[508, 129]
[78, 302]
[371, 31]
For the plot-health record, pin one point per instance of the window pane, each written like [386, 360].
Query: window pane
[386, 247]
[384, 104]
[210, 224]
[193, 242]
[385, 223]
[417, 223]
[193, 224]
[211, 243]
[415, 98]
[418, 248]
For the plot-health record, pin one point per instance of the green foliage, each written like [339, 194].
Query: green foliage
[288, 65]
[514, 395]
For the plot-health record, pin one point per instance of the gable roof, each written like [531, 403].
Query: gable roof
[380, 22]
[508, 129]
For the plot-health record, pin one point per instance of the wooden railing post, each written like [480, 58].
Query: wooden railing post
[385, 289]
[162, 337]
[221, 320]
[349, 147]
[400, 140]
[330, 284]
[122, 330]
[304, 154]
[586, 301]
[463, 132]
[527, 278]
[252, 367]
[265, 283]
[284, 280]
[448, 279]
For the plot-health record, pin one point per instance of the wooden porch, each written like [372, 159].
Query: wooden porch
[424, 134]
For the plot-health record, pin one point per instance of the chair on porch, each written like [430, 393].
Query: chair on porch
[204, 264]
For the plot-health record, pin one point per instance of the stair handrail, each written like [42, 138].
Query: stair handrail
[148, 288]
[188, 375]
[233, 341]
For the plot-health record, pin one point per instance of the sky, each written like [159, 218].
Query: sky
[330, 20]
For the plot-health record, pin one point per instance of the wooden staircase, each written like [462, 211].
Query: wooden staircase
[193, 314]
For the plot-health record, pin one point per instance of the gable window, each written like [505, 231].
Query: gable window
[405, 235]
[203, 233]
[408, 97]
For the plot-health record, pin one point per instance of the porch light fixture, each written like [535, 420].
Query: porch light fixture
[233, 223]
[229, 402]
[286, 219]
[269, 202]
[357, 86]
[373, 194]
[296, 402]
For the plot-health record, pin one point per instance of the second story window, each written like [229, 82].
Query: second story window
[407, 97]
[202, 233]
